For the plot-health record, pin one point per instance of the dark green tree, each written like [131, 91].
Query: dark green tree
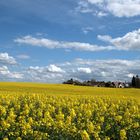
[71, 81]
[134, 81]
[137, 80]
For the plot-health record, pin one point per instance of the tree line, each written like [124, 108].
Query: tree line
[135, 82]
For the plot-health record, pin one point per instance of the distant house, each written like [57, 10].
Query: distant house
[119, 84]
[115, 84]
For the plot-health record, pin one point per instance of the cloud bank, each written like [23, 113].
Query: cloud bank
[81, 69]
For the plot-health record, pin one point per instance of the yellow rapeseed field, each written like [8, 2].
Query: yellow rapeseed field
[31, 111]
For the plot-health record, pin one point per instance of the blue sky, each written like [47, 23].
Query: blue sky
[52, 40]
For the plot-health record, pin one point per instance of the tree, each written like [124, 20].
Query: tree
[108, 84]
[137, 79]
[133, 81]
[69, 81]
[76, 82]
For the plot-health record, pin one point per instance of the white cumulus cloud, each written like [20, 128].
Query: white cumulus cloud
[54, 68]
[5, 73]
[51, 73]
[118, 8]
[85, 70]
[6, 59]
[130, 41]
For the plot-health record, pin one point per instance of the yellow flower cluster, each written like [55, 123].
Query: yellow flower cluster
[42, 116]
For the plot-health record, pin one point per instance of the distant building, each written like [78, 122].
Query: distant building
[119, 84]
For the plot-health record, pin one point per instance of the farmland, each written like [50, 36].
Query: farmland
[66, 112]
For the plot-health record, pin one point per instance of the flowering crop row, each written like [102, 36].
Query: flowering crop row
[41, 116]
